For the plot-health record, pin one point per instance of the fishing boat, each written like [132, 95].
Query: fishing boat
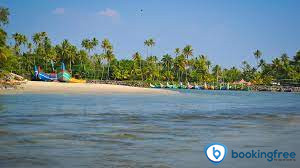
[63, 75]
[197, 87]
[155, 86]
[175, 86]
[47, 77]
[205, 86]
[38, 75]
[152, 86]
[189, 86]
[169, 86]
[181, 86]
[161, 85]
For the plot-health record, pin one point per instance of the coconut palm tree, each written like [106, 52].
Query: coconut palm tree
[4, 13]
[138, 59]
[107, 51]
[151, 44]
[147, 44]
[106, 45]
[94, 42]
[109, 57]
[217, 72]
[167, 61]
[257, 54]
[187, 52]
[177, 51]
[85, 43]
[20, 39]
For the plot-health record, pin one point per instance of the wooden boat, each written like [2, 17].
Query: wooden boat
[169, 86]
[161, 85]
[181, 86]
[47, 77]
[63, 75]
[189, 86]
[155, 86]
[197, 87]
[175, 86]
[152, 86]
[38, 75]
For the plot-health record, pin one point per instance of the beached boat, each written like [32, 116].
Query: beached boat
[38, 75]
[169, 86]
[63, 75]
[161, 85]
[73, 80]
[155, 86]
[152, 86]
[47, 77]
[189, 86]
[181, 86]
[174, 86]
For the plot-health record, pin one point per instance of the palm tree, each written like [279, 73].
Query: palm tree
[151, 44]
[89, 44]
[109, 57]
[20, 39]
[138, 58]
[108, 52]
[147, 44]
[86, 45]
[167, 61]
[106, 45]
[4, 13]
[94, 42]
[72, 55]
[187, 52]
[257, 54]
[37, 39]
[82, 56]
[217, 71]
[179, 65]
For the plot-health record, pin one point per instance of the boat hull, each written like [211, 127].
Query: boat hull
[63, 76]
[47, 77]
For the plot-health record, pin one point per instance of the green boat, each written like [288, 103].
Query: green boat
[63, 75]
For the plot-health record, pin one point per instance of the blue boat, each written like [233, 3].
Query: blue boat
[63, 75]
[44, 76]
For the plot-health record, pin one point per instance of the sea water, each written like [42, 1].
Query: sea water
[136, 130]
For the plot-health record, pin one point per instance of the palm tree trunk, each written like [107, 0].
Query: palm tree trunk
[185, 75]
[108, 70]
[102, 73]
[70, 66]
[141, 70]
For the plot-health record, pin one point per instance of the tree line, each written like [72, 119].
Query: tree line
[181, 66]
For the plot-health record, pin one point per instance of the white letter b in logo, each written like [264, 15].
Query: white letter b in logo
[215, 152]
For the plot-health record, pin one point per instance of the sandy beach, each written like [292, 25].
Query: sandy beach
[80, 88]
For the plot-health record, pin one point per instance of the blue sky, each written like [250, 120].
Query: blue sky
[227, 31]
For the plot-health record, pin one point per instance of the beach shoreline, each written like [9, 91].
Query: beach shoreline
[38, 87]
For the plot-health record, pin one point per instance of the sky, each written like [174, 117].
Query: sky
[227, 31]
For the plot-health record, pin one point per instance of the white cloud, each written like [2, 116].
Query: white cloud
[109, 13]
[58, 11]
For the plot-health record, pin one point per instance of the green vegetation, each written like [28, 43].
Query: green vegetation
[182, 65]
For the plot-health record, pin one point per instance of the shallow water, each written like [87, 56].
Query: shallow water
[131, 130]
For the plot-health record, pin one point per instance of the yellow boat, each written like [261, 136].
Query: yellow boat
[73, 80]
